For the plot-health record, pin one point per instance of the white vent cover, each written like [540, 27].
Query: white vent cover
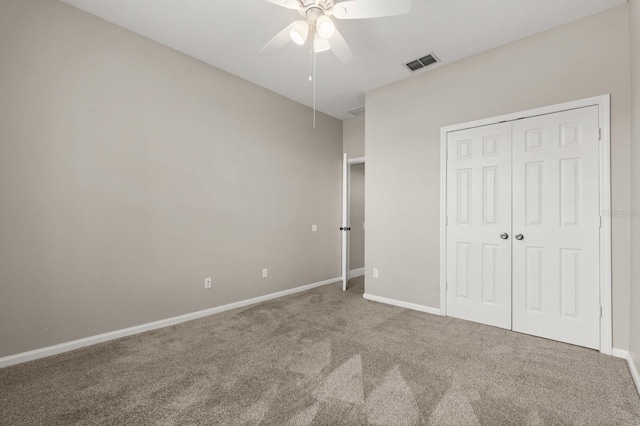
[420, 63]
[358, 111]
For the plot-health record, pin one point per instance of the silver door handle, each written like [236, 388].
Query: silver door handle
[519, 237]
[504, 236]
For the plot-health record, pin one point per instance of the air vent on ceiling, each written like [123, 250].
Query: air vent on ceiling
[421, 63]
[357, 111]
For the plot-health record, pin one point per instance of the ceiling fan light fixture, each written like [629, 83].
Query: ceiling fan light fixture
[325, 27]
[299, 32]
[320, 44]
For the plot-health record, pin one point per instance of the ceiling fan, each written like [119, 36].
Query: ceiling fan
[317, 22]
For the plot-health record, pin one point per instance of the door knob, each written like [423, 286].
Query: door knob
[504, 236]
[519, 237]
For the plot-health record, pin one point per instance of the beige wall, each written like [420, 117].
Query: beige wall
[582, 59]
[356, 251]
[130, 172]
[634, 21]
[353, 137]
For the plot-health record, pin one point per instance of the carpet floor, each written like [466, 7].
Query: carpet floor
[323, 357]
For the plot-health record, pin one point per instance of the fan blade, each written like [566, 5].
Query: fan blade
[340, 48]
[289, 4]
[320, 44]
[280, 40]
[363, 9]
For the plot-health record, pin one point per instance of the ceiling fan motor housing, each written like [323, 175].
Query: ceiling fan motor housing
[312, 14]
[321, 5]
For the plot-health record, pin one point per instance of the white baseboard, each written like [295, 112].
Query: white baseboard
[407, 305]
[621, 353]
[117, 334]
[634, 372]
[355, 273]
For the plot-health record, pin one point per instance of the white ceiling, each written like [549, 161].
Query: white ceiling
[229, 34]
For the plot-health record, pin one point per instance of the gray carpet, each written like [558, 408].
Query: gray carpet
[323, 357]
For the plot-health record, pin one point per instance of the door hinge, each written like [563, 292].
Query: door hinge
[446, 286]
[446, 220]
[600, 311]
[599, 134]
[446, 153]
[600, 223]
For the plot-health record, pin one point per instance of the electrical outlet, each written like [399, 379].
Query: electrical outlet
[314, 228]
[265, 273]
[375, 272]
[207, 282]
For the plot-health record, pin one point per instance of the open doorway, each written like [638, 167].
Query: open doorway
[353, 222]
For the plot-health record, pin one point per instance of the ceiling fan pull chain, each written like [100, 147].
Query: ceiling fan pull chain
[315, 55]
[311, 64]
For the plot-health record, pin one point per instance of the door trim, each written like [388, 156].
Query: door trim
[604, 108]
[346, 273]
[344, 238]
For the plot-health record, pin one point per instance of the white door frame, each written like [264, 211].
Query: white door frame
[604, 104]
[346, 220]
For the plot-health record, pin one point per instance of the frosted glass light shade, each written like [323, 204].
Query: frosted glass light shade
[325, 27]
[299, 32]
[320, 44]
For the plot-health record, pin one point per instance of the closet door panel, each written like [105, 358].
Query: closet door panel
[478, 212]
[556, 211]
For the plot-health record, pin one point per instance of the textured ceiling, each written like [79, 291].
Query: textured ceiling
[229, 34]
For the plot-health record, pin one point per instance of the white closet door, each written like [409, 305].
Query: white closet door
[478, 212]
[556, 211]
